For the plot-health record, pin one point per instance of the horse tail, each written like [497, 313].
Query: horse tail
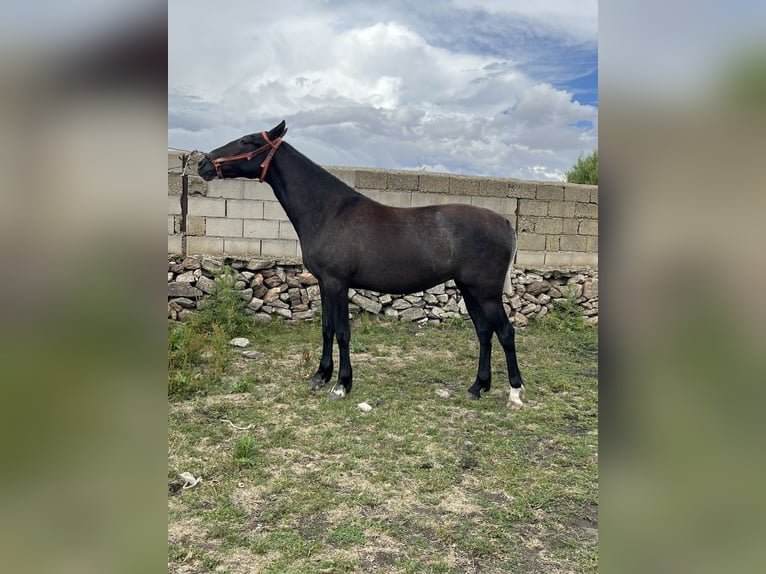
[507, 287]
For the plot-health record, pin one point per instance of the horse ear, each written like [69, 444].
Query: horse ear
[278, 131]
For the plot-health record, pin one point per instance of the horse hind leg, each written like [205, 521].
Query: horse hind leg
[502, 327]
[484, 332]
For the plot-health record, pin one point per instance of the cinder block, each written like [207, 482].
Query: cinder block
[552, 243]
[594, 195]
[550, 191]
[175, 245]
[549, 225]
[561, 209]
[273, 210]
[493, 187]
[174, 205]
[195, 225]
[206, 206]
[558, 258]
[277, 247]
[503, 205]
[242, 247]
[576, 192]
[346, 174]
[204, 245]
[373, 194]
[396, 198]
[195, 185]
[261, 229]
[254, 189]
[530, 242]
[171, 224]
[433, 182]
[244, 208]
[226, 188]
[589, 210]
[287, 231]
[529, 259]
[463, 185]
[223, 227]
[591, 243]
[370, 179]
[585, 260]
[522, 189]
[402, 181]
[570, 226]
[533, 207]
[175, 184]
[573, 243]
[588, 227]
[526, 224]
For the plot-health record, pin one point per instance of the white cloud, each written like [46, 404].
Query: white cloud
[375, 94]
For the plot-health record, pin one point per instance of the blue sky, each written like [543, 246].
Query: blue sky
[487, 87]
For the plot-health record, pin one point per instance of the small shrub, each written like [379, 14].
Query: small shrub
[566, 316]
[245, 450]
[225, 307]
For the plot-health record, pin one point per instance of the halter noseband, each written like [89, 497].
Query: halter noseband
[251, 154]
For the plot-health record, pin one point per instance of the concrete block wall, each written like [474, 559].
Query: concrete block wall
[557, 223]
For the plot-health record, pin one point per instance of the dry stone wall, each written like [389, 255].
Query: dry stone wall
[240, 224]
[282, 288]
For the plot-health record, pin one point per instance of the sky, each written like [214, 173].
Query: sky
[501, 88]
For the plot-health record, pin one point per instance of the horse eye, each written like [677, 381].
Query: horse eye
[247, 140]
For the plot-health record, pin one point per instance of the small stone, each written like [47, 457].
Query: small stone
[537, 287]
[240, 342]
[183, 290]
[468, 444]
[443, 393]
[303, 315]
[520, 320]
[191, 263]
[364, 407]
[206, 284]
[252, 354]
[258, 264]
[271, 295]
[367, 304]
[306, 279]
[314, 293]
[186, 303]
[211, 265]
[437, 290]
[412, 314]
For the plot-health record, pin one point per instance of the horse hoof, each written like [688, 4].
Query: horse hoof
[316, 384]
[337, 393]
[471, 397]
[515, 397]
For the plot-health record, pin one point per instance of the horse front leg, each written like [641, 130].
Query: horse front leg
[324, 372]
[338, 302]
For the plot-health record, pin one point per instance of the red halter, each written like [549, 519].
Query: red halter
[250, 155]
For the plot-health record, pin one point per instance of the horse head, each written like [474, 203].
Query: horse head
[247, 157]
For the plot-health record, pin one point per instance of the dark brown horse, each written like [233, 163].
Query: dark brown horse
[349, 240]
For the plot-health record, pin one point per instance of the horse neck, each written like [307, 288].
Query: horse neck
[308, 193]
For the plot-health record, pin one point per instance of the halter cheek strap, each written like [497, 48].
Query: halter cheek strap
[274, 145]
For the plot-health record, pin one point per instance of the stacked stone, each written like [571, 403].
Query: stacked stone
[286, 289]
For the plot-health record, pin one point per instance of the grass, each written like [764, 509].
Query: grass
[419, 484]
